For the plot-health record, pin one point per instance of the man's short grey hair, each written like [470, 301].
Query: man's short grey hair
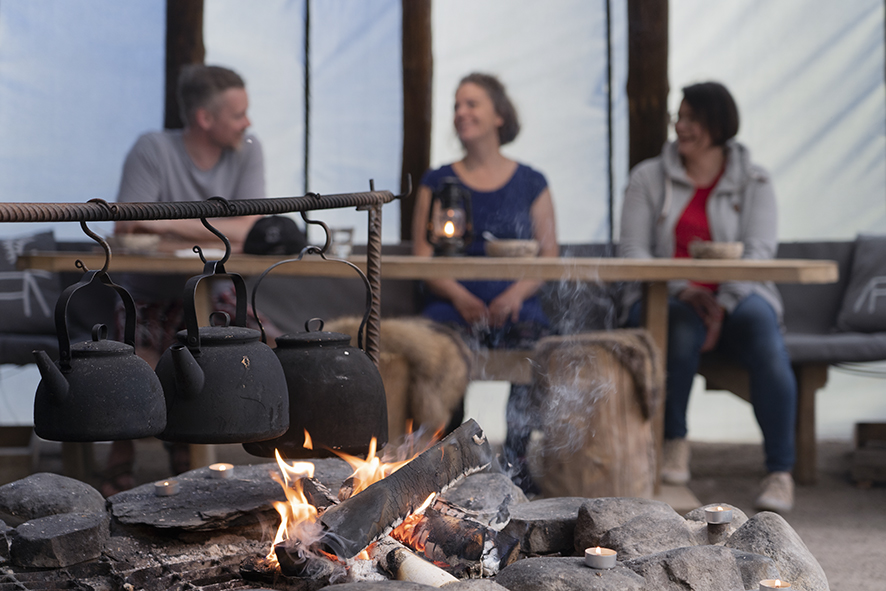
[199, 85]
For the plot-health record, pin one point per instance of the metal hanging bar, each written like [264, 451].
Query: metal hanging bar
[100, 212]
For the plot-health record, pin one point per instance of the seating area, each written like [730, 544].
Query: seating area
[826, 324]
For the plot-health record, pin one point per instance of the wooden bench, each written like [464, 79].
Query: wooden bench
[813, 341]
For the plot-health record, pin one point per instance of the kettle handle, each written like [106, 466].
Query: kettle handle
[61, 314]
[212, 269]
[361, 332]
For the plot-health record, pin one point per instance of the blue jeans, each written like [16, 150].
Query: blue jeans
[750, 336]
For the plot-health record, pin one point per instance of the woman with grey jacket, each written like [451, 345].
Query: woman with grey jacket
[704, 186]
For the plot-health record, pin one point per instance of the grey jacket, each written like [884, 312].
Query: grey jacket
[741, 208]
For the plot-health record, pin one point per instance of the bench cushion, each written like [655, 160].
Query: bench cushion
[839, 347]
[864, 303]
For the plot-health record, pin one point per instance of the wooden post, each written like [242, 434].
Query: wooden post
[184, 45]
[418, 68]
[647, 77]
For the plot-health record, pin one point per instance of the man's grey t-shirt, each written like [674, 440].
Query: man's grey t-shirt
[159, 169]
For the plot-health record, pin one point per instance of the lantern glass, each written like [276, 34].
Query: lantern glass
[449, 219]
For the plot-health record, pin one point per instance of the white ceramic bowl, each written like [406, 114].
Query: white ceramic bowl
[134, 243]
[511, 248]
[701, 249]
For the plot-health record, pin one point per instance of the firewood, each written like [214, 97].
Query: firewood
[358, 521]
[404, 565]
[459, 545]
[317, 494]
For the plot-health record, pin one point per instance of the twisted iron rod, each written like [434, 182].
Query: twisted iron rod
[99, 211]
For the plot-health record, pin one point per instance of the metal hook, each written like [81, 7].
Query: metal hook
[325, 229]
[218, 234]
[101, 241]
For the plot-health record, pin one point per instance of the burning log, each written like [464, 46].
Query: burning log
[368, 515]
[403, 565]
[458, 545]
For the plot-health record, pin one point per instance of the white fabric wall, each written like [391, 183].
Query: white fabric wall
[808, 78]
[79, 81]
[551, 56]
[356, 95]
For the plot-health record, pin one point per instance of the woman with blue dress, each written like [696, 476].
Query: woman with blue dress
[510, 201]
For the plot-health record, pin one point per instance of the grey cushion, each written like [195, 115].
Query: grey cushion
[27, 298]
[864, 303]
[813, 307]
[836, 348]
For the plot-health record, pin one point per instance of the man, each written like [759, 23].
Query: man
[212, 156]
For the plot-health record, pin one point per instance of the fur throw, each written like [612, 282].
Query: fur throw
[437, 362]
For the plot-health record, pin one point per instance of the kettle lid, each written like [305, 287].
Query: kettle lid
[222, 335]
[312, 339]
[99, 346]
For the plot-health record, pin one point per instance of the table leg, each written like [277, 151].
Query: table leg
[655, 320]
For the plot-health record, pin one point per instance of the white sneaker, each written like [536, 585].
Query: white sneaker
[777, 494]
[675, 461]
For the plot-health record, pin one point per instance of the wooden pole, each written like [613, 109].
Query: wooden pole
[647, 77]
[418, 69]
[184, 45]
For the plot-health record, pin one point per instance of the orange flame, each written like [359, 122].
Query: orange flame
[372, 469]
[308, 444]
[298, 518]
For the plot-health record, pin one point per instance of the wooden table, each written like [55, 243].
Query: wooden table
[654, 273]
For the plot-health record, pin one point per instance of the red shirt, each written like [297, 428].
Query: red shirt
[693, 225]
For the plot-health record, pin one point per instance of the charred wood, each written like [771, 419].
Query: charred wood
[368, 515]
[458, 545]
[402, 564]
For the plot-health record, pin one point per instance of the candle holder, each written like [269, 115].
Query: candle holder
[770, 584]
[450, 219]
[166, 488]
[222, 471]
[718, 515]
[600, 558]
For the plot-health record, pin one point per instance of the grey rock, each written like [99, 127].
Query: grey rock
[649, 534]
[475, 585]
[566, 574]
[59, 540]
[714, 534]
[604, 522]
[546, 526]
[488, 495]
[380, 586]
[700, 568]
[6, 535]
[205, 504]
[44, 494]
[770, 535]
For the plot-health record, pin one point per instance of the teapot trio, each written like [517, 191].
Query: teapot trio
[218, 384]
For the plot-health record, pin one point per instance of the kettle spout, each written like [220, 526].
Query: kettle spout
[54, 381]
[189, 377]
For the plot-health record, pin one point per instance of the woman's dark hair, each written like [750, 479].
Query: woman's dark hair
[500, 101]
[714, 108]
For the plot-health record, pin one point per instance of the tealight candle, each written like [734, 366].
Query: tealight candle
[718, 515]
[166, 488]
[768, 584]
[221, 470]
[601, 558]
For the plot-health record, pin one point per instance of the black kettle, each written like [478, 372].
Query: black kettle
[222, 383]
[336, 393]
[99, 390]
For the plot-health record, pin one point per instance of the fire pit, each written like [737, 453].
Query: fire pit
[226, 533]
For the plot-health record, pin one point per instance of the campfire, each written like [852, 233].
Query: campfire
[387, 515]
